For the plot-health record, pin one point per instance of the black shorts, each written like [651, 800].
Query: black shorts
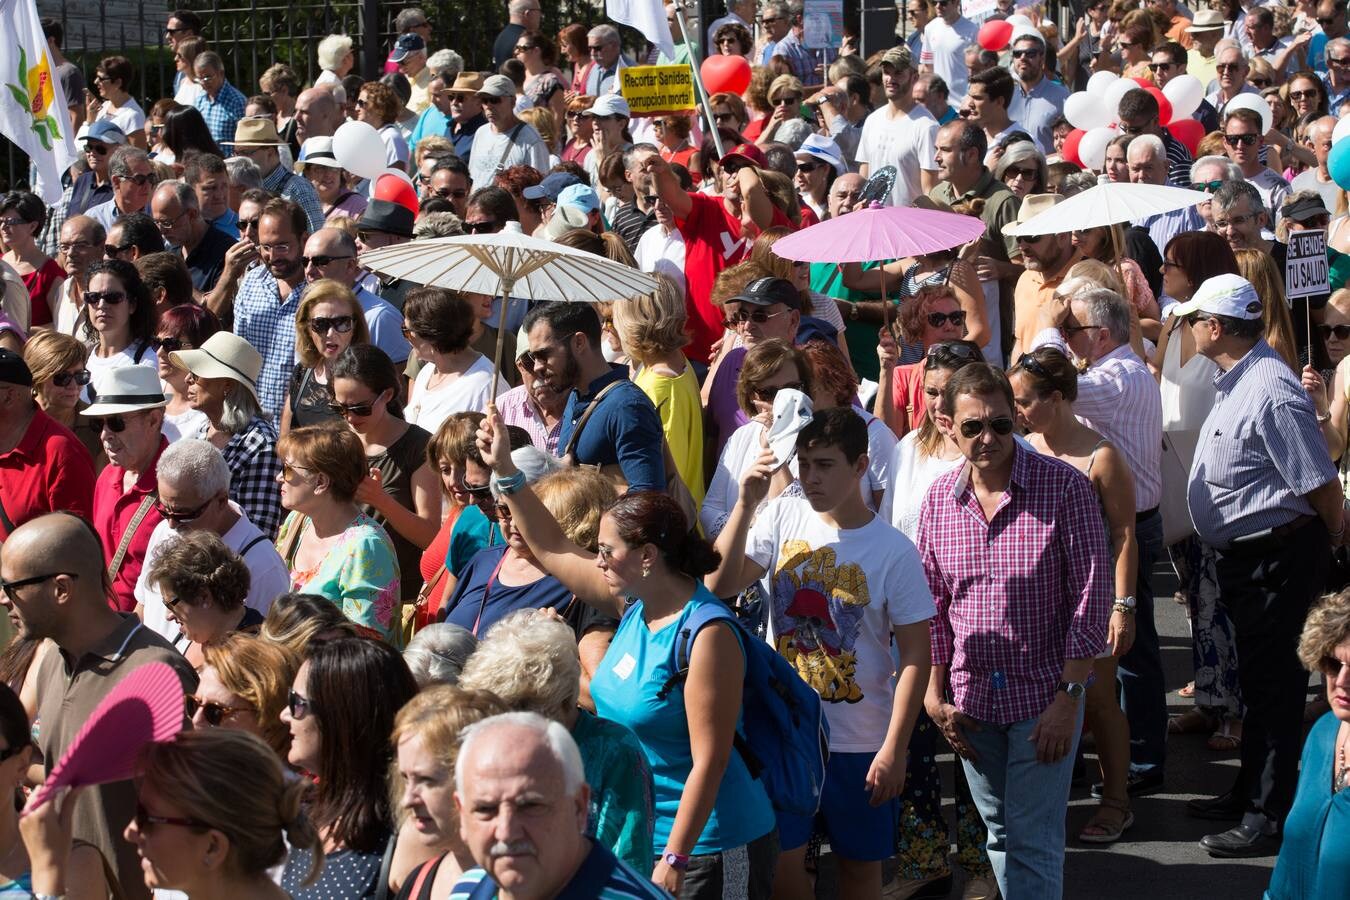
[740, 873]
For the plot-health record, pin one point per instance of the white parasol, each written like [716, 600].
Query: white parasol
[1108, 203]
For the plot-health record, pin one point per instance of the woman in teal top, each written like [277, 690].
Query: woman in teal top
[1314, 863]
[707, 805]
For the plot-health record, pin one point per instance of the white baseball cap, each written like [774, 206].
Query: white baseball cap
[824, 149]
[609, 105]
[1223, 295]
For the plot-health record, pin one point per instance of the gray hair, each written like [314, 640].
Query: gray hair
[516, 7]
[1151, 142]
[182, 192]
[605, 34]
[123, 157]
[195, 467]
[210, 59]
[551, 734]
[238, 409]
[1226, 197]
[1108, 310]
[533, 463]
[446, 64]
[410, 18]
[437, 224]
[637, 154]
[243, 173]
[775, 6]
[793, 132]
[530, 662]
[1230, 168]
[437, 653]
[1335, 44]
[333, 49]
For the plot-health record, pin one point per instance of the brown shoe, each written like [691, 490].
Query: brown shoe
[983, 887]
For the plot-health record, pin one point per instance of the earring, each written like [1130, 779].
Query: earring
[646, 569]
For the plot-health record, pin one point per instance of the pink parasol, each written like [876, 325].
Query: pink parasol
[878, 233]
[145, 706]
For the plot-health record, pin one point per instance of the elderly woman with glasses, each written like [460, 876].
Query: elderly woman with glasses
[328, 321]
[1022, 169]
[331, 547]
[203, 584]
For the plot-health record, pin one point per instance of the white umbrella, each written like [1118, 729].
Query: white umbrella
[1108, 203]
[510, 263]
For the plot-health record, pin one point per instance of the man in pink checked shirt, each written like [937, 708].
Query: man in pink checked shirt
[1014, 547]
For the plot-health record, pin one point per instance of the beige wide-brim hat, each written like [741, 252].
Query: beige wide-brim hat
[125, 389]
[1032, 206]
[224, 355]
[256, 131]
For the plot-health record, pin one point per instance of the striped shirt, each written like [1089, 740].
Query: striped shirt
[1179, 161]
[1019, 594]
[1260, 451]
[601, 877]
[1118, 397]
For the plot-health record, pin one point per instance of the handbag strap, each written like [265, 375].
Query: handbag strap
[510, 142]
[142, 510]
[5, 519]
[425, 593]
[487, 588]
[569, 452]
[292, 545]
[386, 863]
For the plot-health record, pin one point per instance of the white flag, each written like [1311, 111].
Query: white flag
[33, 112]
[648, 17]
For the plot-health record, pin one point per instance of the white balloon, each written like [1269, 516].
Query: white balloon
[1256, 103]
[1114, 94]
[360, 149]
[1086, 111]
[1185, 93]
[1341, 130]
[1100, 81]
[1092, 148]
[1019, 19]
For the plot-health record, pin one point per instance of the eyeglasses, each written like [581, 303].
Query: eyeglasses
[945, 353]
[1261, 82]
[360, 103]
[246, 224]
[166, 224]
[1331, 667]
[1234, 221]
[1339, 60]
[169, 344]
[322, 260]
[973, 428]
[1244, 140]
[1127, 44]
[289, 470]
[1342, 332]
[1196, 317]
[80, 377]
[98, 149]
[1159, 67]
[323, 324]
[1324, 21]
[790, 100]
[139, 180]
[112, 250]
[181, 516]
[115, 424]
[758, 316]
[767, 394]
[12, 223]
[75, 245]
[503, 512]
[484, 226]
[1075, 329]
[1207, 187]
[477, 491]
[937, 319]
[281, 249]
[1297, 96]
[808, 167]
[769, 20]
[100, 298]
[1032, 365]
[1027, 53]
[214, 713]
[11, 588]
[724, 117]
[523, 48]
[1012, 172]
[1228, 67]
[172, 602]
[445, 194]
[143, 818]
[1133, 128]
[352, 409]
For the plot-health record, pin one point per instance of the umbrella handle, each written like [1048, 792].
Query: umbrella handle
[501, 338]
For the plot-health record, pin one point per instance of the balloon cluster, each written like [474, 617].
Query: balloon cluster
[360, 150]
[1093, 113]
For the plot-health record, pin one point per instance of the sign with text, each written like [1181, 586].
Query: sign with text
[1306, 273]
[822, 23]
[657, 90]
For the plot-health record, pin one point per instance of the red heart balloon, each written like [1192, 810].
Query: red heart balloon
[396, 190]
[1070, 151]
[729, 73]
[1188, 131]
[994, 34]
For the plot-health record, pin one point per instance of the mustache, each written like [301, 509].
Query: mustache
[512, 848]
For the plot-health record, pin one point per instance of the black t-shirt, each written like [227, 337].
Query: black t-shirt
[505, 45]
[207, 260]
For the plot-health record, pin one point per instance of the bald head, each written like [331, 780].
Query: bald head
[317, 113]
[56, 542]
[61, 560]
[844, 193]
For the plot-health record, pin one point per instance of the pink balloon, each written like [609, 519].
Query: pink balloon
[396, 190]
[730, 74]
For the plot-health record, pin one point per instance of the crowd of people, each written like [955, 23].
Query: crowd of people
[447, 630]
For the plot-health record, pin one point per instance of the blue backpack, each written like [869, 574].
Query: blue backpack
[787, 740]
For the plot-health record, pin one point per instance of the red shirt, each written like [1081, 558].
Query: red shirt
[113, 512]
[907, 391]
[49, 471]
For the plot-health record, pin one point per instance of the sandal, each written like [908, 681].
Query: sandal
[1099, 831]
[1188, 691]
[1193, 721]
[1227, 738]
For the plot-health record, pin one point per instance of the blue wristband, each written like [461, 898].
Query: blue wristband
[510, 484]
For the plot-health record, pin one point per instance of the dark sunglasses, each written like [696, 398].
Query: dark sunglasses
[1014, 172]
[143, 818]
[758, 316]
[1331, 667]
[791, 100]
[948, 352]
[1030, 364]
[322, 260]
[112, 250]
[973, 428]
[340, 324]
[63, 379]
[1304, 95]
[485, 226]
[1159, 67]
[96, 149]
[937, 319]
[111, 298]
[477, 491]
[298, 705]
[352, 409]
[140, 180]
[181, 516]
[170, 345]
[1245, 140]
[767, 394]
[1031, 52]
[1207, 187]
[11, 587]
[246, 224]
[1342, 332]
[214, 713]
[115, 424]
[1228, 67]
[807, 168]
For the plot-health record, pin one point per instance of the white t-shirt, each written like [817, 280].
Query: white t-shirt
[944, 48]
[468, 393]
[189, 423]
[912, 474]
[268, 576]
[129, 116]
[833, 596]
[662, 253]
[395, 146]
[907, 142]
[493, 151]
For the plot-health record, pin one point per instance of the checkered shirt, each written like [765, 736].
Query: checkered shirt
[266, 321]
[254, 466]
[223, 113]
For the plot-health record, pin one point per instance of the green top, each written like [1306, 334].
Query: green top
[827, 279]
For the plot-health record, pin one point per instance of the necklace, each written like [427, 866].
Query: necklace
[1341, 776]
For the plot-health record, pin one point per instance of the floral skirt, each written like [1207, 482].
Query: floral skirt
[1213, 644]
[923, 840]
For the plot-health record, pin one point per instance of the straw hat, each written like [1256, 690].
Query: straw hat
[125, 389]
[224, 355]
[1032, 206]
[258, 131]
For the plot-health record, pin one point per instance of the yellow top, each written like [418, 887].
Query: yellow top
[677, 403]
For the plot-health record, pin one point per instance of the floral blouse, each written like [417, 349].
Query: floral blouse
[360, 574]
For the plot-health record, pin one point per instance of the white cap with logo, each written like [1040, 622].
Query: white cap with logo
[1223, 295]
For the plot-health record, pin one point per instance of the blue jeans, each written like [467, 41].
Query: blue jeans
[1023, 803]
[1143, 695]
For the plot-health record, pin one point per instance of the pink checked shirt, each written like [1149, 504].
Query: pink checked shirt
[1018, 595]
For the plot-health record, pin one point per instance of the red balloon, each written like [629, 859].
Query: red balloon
[730, 73]
[994, 34]
[1188, 131]
[1070, 151]
[396, 190]
[1164, 105]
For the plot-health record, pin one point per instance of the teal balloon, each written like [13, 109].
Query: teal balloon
[1338, 163]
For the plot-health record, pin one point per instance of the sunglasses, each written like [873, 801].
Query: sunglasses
[111, 250]
[1033, 365]
[298, 705]
[788, 101]
[1342, 332]
[1244, 140]
[807, 168]
[143, 819]
[246, 224]
[1012, 172]
[486, 226]
[352, 409]
[1207, 187]
[1228, 67]
[96, 149]
[11, 588]
[1128, 44]
[1339, 60]
[1331, 667]
[168, 344]
[1159, 67]
[1303, 95]
[323, 324]
[138, 180]
[1260, 82]
[115, 424]
[477, 491]
[937, 319]
[767, 394]
[724, 117]
[999, 425]
[289, 470]
[758, 316]
[1031, 52]
[948, 352]
[80, 377]
[181, 516]
[214, 713]
[99, 298]
[322, 260]
[1329, 20]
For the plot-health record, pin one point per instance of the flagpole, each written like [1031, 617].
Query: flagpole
[698, 79]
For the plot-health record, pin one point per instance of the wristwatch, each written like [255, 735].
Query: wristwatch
[1074, 689]
[677, 861]
[1125, 605]
[853, 312]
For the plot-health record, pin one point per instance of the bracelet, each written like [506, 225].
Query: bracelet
[1324, 418]
[510, 484]
[1122, 608]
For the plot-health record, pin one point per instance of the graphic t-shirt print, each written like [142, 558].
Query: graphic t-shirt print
[818, 607]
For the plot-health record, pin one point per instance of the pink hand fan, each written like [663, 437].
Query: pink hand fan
[145, 706]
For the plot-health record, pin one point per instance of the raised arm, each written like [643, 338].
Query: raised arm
[737, 571]
[668, 186]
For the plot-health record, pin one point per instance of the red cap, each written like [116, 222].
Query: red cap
[748, 152]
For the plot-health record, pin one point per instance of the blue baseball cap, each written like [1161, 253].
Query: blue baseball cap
[582, 196]
[105, 131]
[550, 187]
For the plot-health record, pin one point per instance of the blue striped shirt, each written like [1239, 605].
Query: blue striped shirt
[601, 877]
[1260, 452]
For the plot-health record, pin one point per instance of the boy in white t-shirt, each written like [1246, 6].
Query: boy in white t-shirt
[840, 583]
